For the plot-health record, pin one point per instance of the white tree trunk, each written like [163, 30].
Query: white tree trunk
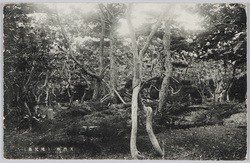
[133, 148]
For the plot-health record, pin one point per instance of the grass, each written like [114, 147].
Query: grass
[206, 143]
[201, 143]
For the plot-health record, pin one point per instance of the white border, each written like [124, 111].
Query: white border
[119, 1]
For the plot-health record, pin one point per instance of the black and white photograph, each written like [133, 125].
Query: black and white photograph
[125, 81]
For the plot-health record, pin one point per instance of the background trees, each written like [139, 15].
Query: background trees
[65, 56]
[27, 57]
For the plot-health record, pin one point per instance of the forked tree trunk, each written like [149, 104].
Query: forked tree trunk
[168, 68]
[137, 78]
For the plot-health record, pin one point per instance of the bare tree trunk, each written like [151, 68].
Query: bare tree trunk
[168, 68]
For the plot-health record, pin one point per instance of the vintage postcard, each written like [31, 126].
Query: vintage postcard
[147, 81]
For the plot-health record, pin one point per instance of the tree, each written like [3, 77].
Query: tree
[72, 54]
[137, 78]
[223, 41]
[168, 67]
[111, 14]
[27, 56]
[105, 22]
[98, 82]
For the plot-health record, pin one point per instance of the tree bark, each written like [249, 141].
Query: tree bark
[112, 57]
[97, 89]
[168, 68]
[109, 17]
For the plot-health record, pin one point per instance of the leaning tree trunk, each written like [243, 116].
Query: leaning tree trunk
[168, 68]
[149, 127]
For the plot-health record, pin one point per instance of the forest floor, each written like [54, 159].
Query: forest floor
[215, 142]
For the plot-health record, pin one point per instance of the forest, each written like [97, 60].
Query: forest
[147, 81]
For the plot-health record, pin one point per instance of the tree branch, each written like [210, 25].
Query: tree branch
[31, 71]
[149, 39]
[148, 80]
[103, 70]
[112, 16]
[132, 31]
[106, 17]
